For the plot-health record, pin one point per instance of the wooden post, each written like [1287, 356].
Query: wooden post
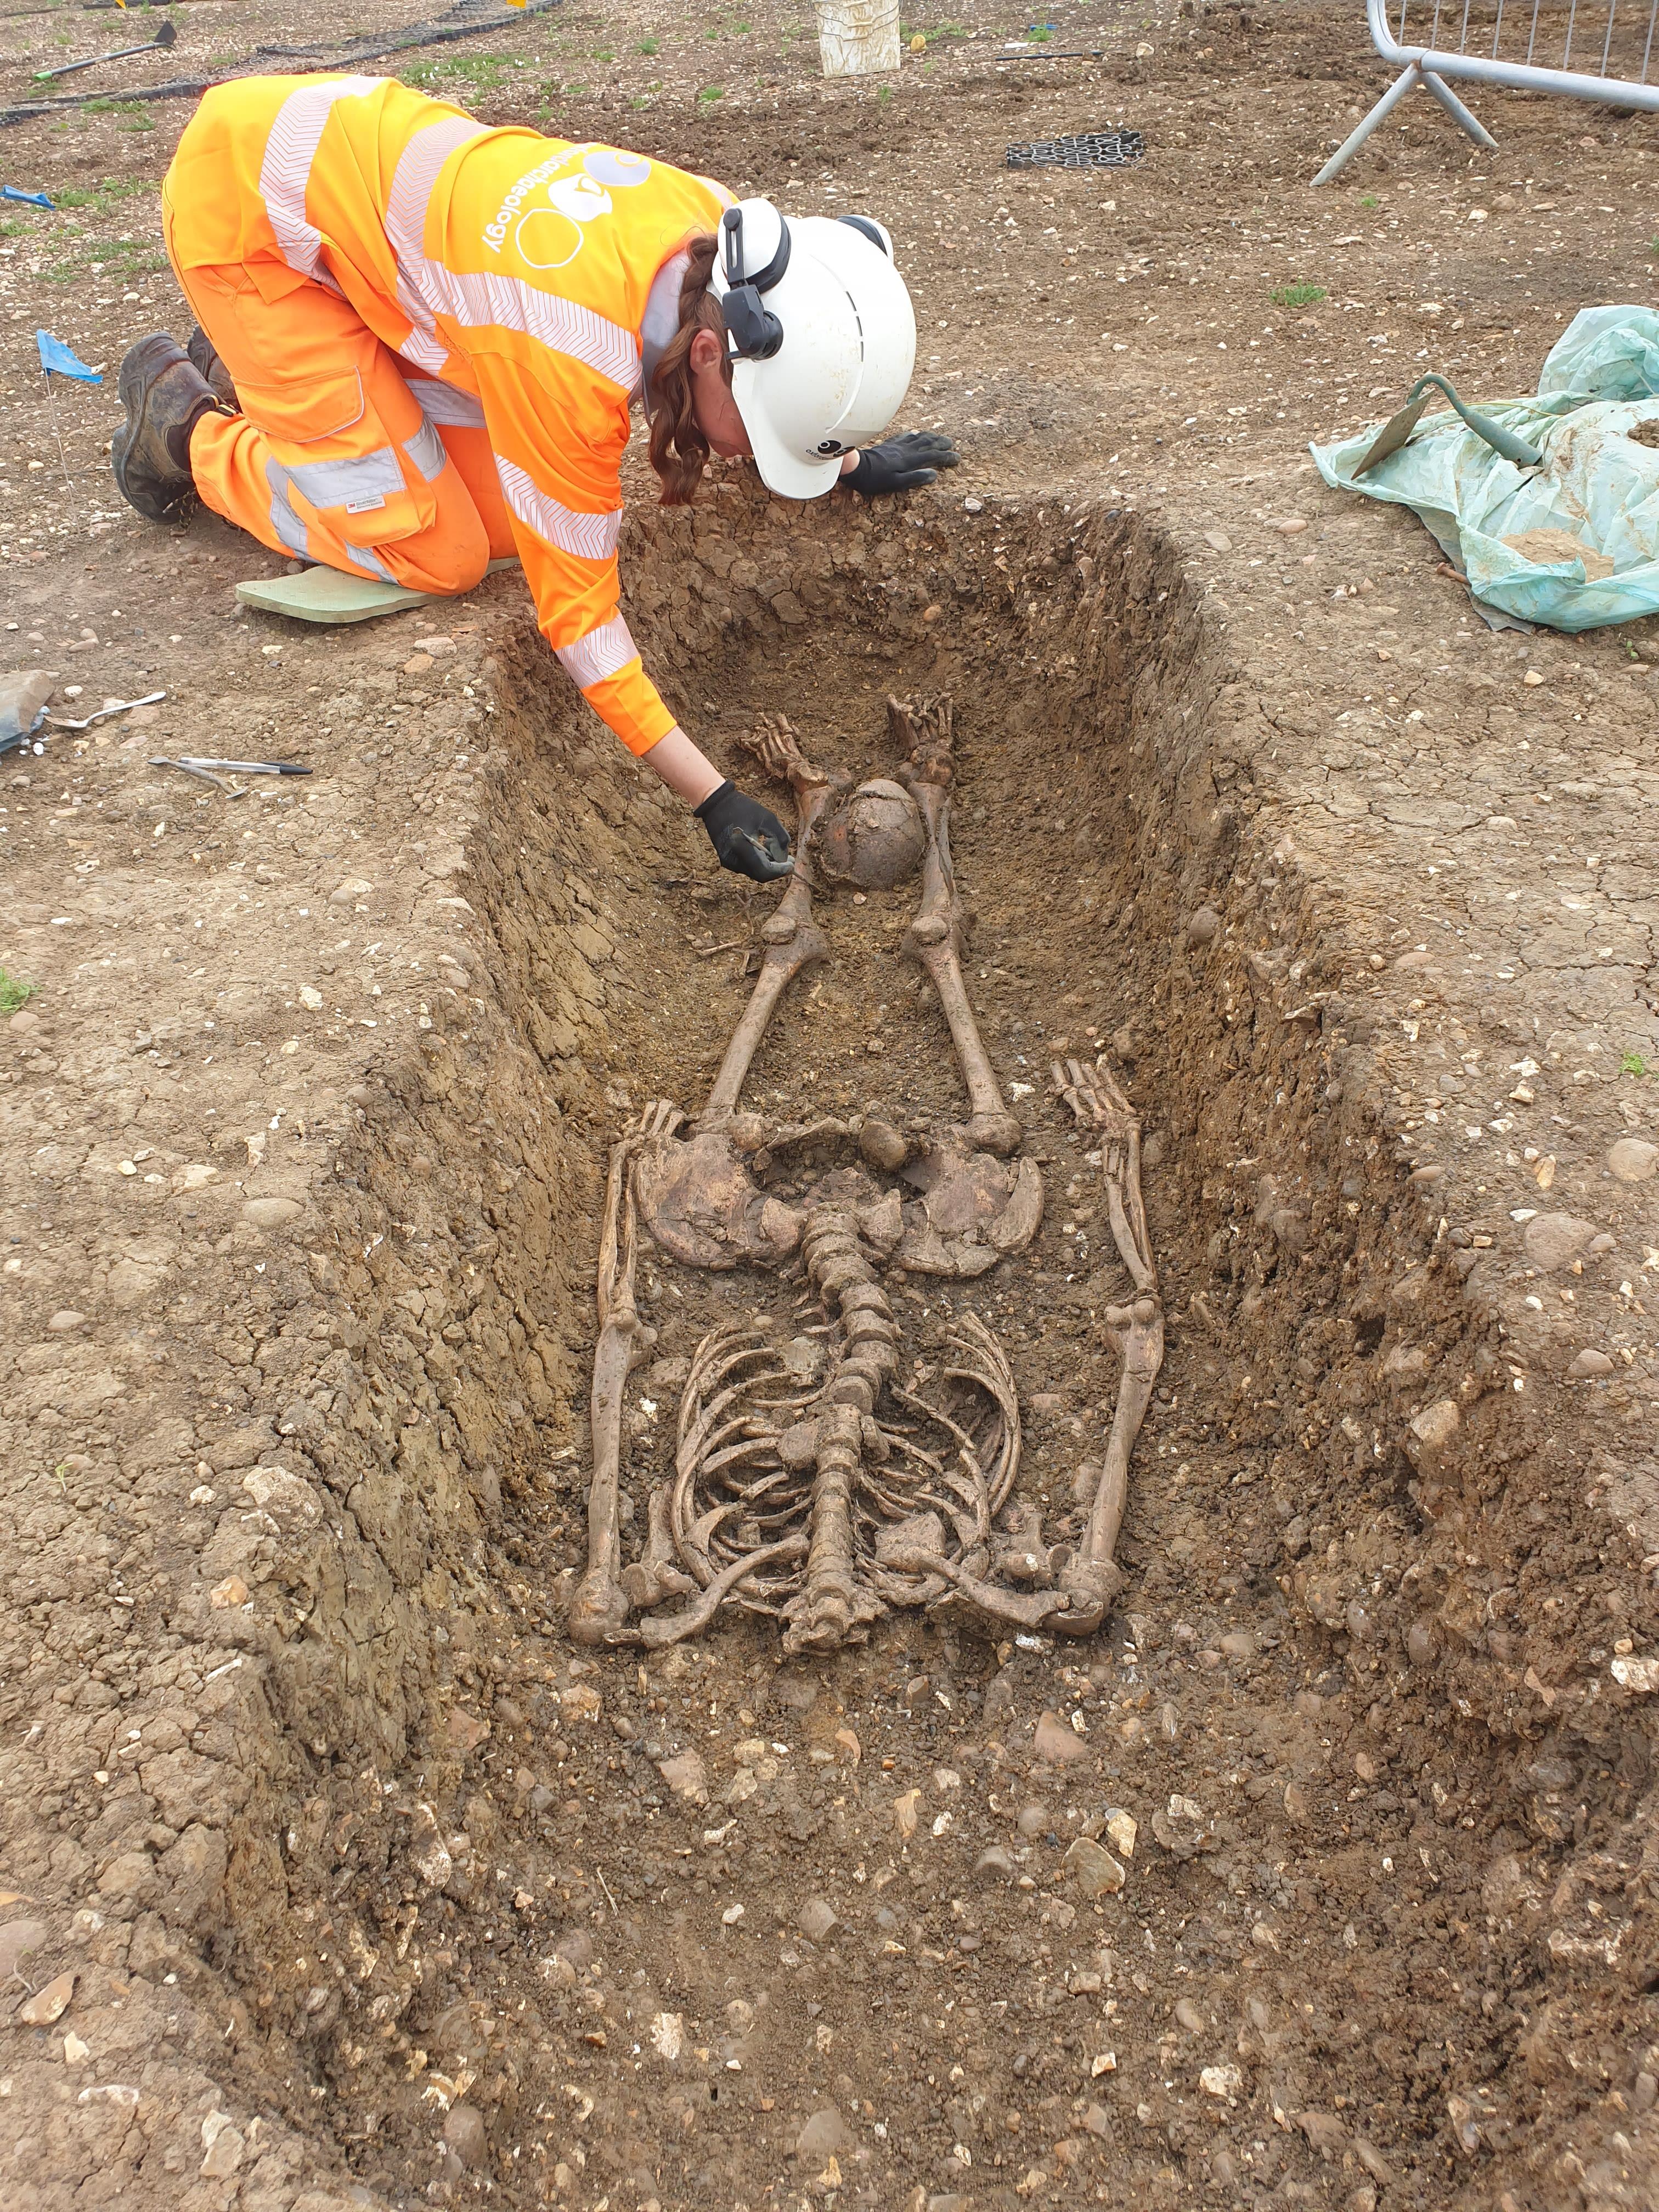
[857, 37]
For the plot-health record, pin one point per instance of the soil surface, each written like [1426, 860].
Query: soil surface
[331, 1873]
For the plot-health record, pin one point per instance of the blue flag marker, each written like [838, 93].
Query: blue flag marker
[29, 199]
[57, 360]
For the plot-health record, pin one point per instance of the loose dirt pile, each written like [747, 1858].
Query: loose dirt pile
[369, 1888]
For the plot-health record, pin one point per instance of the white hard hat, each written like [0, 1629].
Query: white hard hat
[821, 336]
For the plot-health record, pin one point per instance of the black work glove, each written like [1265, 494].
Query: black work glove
[747, 837]
[914, 457]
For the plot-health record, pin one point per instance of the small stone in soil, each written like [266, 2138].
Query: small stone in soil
[1203, 924]
[1120, 1831]
[1054, 1743]
[825, 2133]
[1097, 1873]
[815, 1919]
[465, 2135]
[48, 2003]
[1633, 1159]
[686, 1776]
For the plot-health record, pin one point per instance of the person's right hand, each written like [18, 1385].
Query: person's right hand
[747, 837]
[903, 463]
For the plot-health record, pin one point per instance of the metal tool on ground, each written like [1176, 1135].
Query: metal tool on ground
[1084, 150]
[1395, 431]
[1051, 54]
[465, 20]
[163, 38]
[115, 706]
[244, 768]
[203, 774]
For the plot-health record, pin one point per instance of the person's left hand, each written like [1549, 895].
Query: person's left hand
[901, 463]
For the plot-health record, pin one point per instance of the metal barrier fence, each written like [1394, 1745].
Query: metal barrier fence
[1528, 46]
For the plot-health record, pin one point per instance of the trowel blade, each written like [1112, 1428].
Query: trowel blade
[1393, 433]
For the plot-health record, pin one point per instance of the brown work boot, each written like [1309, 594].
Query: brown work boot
[165, 398]
[205, 359]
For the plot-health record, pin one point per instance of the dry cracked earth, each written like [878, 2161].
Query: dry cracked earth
[332, 1874]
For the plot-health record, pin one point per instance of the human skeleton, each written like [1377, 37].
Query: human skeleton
[827, 1497]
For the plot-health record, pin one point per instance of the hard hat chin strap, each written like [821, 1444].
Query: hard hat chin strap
[753, 332]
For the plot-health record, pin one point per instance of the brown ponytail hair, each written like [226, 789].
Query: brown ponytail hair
[678, 448]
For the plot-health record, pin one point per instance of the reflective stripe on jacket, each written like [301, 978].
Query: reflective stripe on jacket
[512, 274]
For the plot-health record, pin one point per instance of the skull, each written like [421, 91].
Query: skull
[875, 840]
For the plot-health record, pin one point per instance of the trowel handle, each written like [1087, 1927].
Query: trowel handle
[1500, 440]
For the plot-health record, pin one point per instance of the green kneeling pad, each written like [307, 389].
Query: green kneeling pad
[328, 595]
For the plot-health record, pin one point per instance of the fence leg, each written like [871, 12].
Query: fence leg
[1391, 99]
[1459, 114]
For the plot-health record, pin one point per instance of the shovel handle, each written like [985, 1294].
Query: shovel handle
[1502, 441]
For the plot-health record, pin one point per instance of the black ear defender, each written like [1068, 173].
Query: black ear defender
[862, 224]
[755, 333]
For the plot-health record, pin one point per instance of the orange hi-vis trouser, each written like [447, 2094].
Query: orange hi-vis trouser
[372, 469]
[436, 331]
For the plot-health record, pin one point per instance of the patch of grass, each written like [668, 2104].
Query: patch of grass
[712, 92]
[603, 54]
[884, 93]
[99, 195]
[648, 47]
[482, 72]
[1368, 199]
[14, 991]
[1297, 295]
[1653, 245]
[1630, 1063]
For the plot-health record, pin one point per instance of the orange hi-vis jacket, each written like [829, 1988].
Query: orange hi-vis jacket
[436, 331]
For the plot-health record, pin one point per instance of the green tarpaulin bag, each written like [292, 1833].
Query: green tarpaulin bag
[1596, 420]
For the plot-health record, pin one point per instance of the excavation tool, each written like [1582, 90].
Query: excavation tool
[244, 768]
[163, 38]
[1395, 431]
[116, 707]
[204, 775]
[829, 1477]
